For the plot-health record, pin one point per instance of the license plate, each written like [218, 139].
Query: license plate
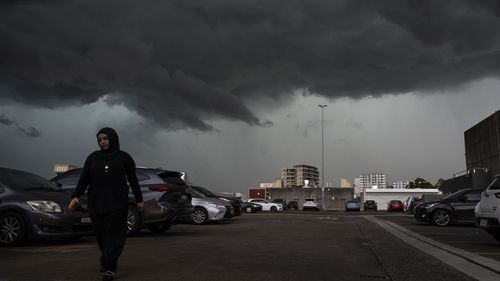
[85, 220]
[483, 222]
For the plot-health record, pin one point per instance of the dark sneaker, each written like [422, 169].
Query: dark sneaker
[108, 276]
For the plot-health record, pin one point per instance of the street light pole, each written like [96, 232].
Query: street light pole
[322, 157]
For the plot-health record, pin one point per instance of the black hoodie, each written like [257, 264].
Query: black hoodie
[105, 173]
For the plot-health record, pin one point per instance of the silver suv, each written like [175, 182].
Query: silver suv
[310, 204]
[488, 209]
[165, 198]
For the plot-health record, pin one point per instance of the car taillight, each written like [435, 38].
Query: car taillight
[497, 195]
[161, 188]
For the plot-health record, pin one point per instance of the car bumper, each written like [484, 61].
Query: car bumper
[421, 214]
[59, 225]
[216, 214]
[488, 221]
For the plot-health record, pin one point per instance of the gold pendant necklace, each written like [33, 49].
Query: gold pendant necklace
[106, 167]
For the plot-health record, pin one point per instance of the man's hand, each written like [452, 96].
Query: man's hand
[140, 206]
[72, 204]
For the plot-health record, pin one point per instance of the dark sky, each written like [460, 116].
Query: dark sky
[202, 67]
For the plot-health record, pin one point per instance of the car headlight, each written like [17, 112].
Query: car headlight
[215, 205]
[45, 206]
[431, 205]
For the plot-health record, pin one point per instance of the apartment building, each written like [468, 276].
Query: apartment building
[372, 181]
[300, 176]
[401, 184]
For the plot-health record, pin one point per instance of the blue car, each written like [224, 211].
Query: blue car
[352, 206]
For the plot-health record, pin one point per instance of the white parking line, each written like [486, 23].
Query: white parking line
[475, 266]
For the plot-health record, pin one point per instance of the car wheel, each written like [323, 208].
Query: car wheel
[159, 228]
[441, 217]
[199, 216]
[12, 229]
[248, 209]
[134, 221]
[273, 209]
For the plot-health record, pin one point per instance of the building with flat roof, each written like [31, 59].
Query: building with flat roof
[300, 176]
[482, 145]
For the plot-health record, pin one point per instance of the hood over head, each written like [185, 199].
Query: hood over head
[114, 143]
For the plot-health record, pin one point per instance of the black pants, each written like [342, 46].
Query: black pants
[110, 230]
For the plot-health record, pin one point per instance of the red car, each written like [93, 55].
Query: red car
[395, 206]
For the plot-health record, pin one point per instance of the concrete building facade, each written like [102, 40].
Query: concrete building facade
[335, 198]
[384, 196]
[482, 145]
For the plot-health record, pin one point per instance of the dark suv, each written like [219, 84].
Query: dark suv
[164, 193]
[457, 207]
[33, 207]
[370, 205]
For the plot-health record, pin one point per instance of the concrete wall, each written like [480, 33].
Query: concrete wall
[335, 197]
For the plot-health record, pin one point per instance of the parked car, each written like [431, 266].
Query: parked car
[352, 205]
[310, 204]
[250, 207]
[395, 206]
[32, 207]
[235, 202]
[370, 205]
[206, 209]
[411, 203]
[165, 198]
[266, 205]
[454, 208]
[487, 211]
[281, 201]
[293, 205]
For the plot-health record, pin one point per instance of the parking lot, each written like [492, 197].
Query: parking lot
[292, 245]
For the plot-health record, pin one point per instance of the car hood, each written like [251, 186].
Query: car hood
[211, 200]
[60, 197]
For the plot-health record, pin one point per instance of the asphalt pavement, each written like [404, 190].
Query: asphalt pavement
[265, 246]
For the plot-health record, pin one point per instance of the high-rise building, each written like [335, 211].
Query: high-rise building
[373, 181]
[300, 176]
[401, 184]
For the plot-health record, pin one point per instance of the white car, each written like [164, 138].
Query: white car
[488, 209]
[267, 206]
[310, 204]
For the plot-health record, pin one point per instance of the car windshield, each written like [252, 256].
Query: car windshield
[495, 184]
[205, 191]
[195, 193]
[456, 195]
[27, 181]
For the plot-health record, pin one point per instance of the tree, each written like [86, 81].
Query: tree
[439, 184]
[422, 183]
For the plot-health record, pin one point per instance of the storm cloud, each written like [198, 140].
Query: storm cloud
[185, 64]
[31, 132]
